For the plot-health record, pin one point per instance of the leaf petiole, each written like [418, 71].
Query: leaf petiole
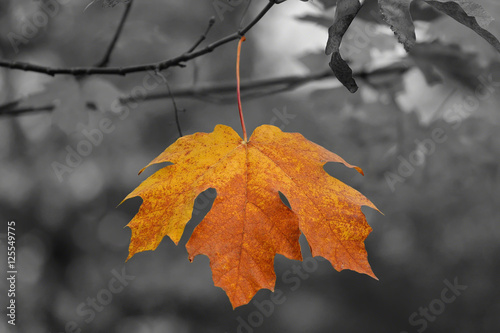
[238, 94]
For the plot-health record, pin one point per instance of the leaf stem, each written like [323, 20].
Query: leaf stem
[238, 94]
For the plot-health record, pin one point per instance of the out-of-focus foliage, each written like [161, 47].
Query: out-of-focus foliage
[73, 100]
[398, 16]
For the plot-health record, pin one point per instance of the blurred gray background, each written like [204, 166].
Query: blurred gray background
[439, 192]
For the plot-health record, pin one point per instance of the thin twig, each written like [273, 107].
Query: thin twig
[105, 60]
[439, 111]
[176, 110]
[176, 61]
[211, 23]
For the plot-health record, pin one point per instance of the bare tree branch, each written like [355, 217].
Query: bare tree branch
[246, 87]
[267, 86]
[105, 60]
[176, 61]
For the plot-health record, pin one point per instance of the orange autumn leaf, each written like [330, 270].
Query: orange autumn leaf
[248, 223]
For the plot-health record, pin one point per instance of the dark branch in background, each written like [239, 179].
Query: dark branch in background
[217, 93]
[286, 83]
[176, 110]
[177, 61]
[257, 88]
[105, 60]
[6, 110]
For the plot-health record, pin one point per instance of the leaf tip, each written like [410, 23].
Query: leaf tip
[368, 271]
[372, 275]
[343, 72]
[352, 87]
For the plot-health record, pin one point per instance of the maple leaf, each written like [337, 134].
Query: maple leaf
[248, 223]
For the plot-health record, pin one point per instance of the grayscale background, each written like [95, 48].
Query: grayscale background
[430, 153]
